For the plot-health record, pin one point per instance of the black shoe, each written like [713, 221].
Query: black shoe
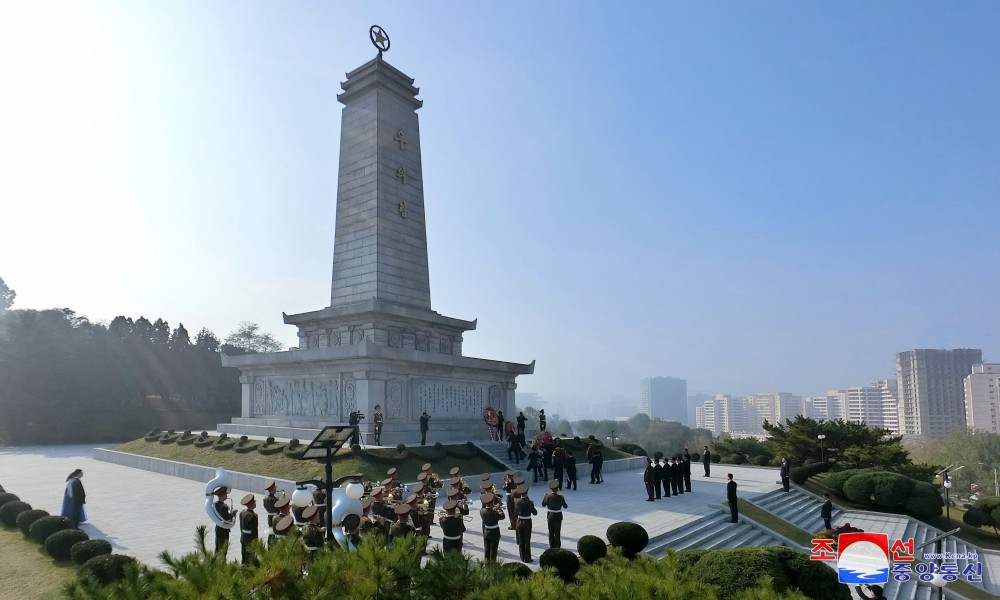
[649, 499]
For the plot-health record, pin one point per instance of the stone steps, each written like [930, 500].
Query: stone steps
[713, 531]
[799, 509]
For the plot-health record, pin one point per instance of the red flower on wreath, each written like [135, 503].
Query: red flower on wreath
[490, 416]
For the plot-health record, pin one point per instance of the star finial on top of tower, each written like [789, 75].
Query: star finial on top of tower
[379, 38]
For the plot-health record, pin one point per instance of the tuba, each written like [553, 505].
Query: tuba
[221, 479]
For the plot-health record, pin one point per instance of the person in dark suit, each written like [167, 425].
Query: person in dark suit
[706, 460]
[522, 422]
[657, 477]
[648, 476]
[597, 463]
[827, 512]
[785, 472]
[570, 471]
[248, 527]
[687, 470]
[665, 482]
[674, 471]
[731, 497]
[425, 420]
[679, 475]
[378, 420]
[541, 420]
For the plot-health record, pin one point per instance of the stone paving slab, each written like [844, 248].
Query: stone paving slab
[143, 513]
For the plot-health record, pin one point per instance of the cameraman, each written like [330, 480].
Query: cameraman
[355, 421]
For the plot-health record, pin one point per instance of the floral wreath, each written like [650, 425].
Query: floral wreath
[490, 416]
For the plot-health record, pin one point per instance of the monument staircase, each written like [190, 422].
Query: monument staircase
[498, 450]
[713, 532]
[801, 509]
[277, 428]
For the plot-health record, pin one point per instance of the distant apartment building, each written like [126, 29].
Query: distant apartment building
[664, 397]
[694, 402]
[724, 414]
[931, 389]
[773, 407]
[890, 403]
[981, 390]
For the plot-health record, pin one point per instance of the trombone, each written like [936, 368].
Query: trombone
[442, 513]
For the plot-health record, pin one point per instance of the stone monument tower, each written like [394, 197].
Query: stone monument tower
[378, 342]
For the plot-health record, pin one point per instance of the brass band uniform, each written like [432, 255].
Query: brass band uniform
[312, 533]
[492, 515]
[525, 509]
[554, 502]
[452, 527]
[225, 513]
[248, 527]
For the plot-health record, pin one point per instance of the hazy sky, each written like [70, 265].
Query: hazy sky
[752, 196]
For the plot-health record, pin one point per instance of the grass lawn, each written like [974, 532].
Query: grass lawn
[27, 573]
[371, 463]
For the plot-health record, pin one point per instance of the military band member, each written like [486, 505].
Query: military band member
[491, 515]
[269, 501]
[402, 526]
[282, 507]
[379, 505]
[452, 527]
[372, 522]
[312, 533]
[554, 502]
[282, 525]
[319, 500]
[525, 509]
[509, 486]
[248, 527]
[393, 475]
[225, 513]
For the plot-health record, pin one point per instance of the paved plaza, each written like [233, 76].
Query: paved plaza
[143, 513]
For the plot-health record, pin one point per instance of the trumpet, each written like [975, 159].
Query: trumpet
[442, 513]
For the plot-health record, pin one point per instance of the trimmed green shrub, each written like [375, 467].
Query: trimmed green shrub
[294, 443]
[809, 461]
[83, 551]
[244, 447]
[735, 459]
[630, 538]
[716, 459]
[519, 570]
[106, 568]
[8, 497]
[890, 489]
[924, 501]
[835, 481]
[400, 448]
[591, 548]
[859, 488]
[687, 558]
[41, 529]
[563, 561]
[761, 460]
[58, 544]
[10, 511]
[438, 446]
[25, 519]
[801, 474]
[630, 448]
[2, 490]
[204, 442]
[738, 569]
[152, 436]
[695, 457]
[269, 440]
[223, 443]
[271, 449]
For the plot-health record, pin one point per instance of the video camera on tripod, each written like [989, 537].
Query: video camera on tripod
[355, 418]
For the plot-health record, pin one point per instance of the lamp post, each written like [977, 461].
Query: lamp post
[612, 437]
[947, 498]
[996, 485]
[822, 448]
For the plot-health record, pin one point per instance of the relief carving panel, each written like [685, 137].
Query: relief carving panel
[394, 395]
[350, 392]
[296, 397]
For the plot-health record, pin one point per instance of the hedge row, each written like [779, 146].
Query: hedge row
[883, 489]
[801, 474]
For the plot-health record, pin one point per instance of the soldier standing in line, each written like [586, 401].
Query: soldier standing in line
[248, 527]
[312, 533]
[731, 497]
[319, 500]
[665, 481]
[525, 509]
[570, 471]
[491, 515]
[647, 478]
[225, 513]
[282, 525]
[679, 475]
[402, 526]
[541, 420]
[282, 506]
[269, 501]
[657, 477]
[706, 460]
[452, 528]
[554, 502]
[687, 470]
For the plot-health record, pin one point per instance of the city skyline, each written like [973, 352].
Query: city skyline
[754, 199]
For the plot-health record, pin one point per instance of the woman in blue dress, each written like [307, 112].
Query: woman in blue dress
[74, 499]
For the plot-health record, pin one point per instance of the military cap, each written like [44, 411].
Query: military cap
[520, 480]
[456, 481]
[391, 472]
[417, 487]
[386, 481]
[401, 509]
[450, 505]
[485, 485]
[247, 500]
[521, 489]
[309, 512]
[377, 491]
[421, 476]
[509, 473]
[485, 477]
[554, 484]
[452, 492]
[410, 499]
[281, 503]
[270, 485]
[283, 525]
[426, 467]
[454, 471]
[366, 503]
[487, 498]
[220, 490]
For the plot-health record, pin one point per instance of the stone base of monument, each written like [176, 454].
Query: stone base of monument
[451, 432]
